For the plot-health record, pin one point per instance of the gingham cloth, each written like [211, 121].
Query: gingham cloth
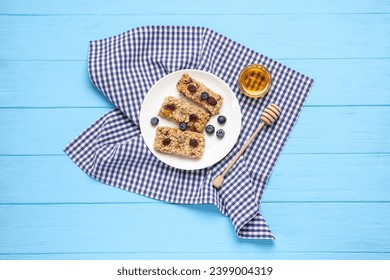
[111, 150]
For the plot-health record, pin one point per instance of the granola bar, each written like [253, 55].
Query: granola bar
[182, 143]
[200, 94]
[179, 111]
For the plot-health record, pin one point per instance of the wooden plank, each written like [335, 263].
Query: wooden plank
[55, 179]
[166, 228]
[198, 256]
[339, 178]
[66, 83]
[346, 81]
[319, 129]
[44, 128]
[48, 84]
[309, 36]
[192, 7]
[327, 177]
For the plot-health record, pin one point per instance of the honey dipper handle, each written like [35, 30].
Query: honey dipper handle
[268, 117]
[242, 149]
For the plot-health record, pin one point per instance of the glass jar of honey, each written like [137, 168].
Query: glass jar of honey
[255, 80]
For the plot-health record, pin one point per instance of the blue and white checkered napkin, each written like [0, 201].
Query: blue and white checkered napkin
[111, 150]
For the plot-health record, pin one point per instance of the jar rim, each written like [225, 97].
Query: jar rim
[265, 90]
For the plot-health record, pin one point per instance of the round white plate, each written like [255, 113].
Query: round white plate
[216, 148]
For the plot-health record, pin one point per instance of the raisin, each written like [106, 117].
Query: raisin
[170, 107]
[212, 101]
[194, 143]
[192, 88]
[193, 117]
[166, 141]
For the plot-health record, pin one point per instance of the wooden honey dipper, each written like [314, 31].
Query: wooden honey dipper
[268, 117]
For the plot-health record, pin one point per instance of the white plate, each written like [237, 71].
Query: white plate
[216, 148]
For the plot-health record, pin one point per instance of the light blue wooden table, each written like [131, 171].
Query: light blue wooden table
[328, 197]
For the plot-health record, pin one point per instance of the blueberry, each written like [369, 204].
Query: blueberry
[210, 129]
[183, 126]
[220, 133]
[154, 121]
[204, 96]
[221, 119]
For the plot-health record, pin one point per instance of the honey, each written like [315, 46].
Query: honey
[255, 80]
